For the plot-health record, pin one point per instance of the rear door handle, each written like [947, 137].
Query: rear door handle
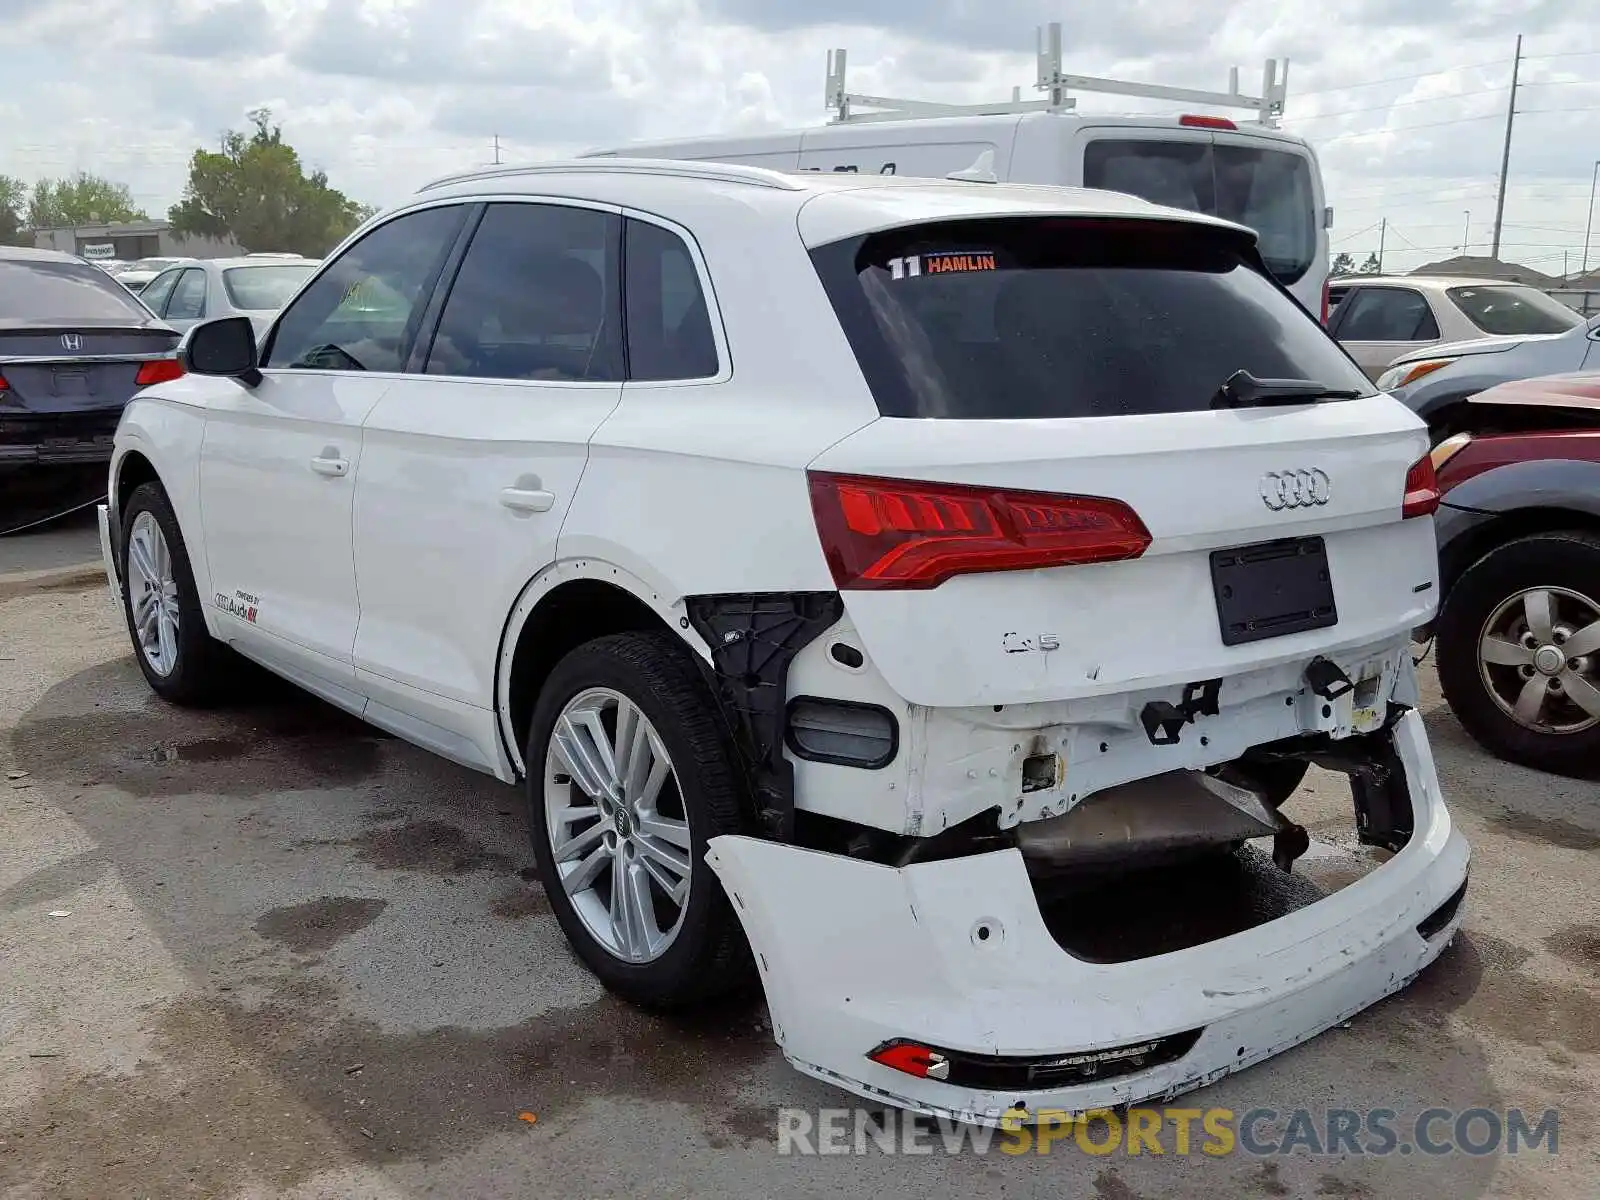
[527, 499]
[337, 468]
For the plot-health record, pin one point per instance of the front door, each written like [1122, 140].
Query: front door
[279, 463]
[470, 464]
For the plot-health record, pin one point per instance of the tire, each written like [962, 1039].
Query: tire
[706, 955]
[1487, 596]
[194, 670]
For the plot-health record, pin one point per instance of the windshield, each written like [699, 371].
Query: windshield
[1267, 190]
[1067, 317]
[1514, 311]
[266, 289]
[45, 290]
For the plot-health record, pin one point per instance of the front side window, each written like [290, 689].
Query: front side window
[1382, 314]
[1264, 189]
[1513, 311]
[669, 326]
[1067, 317]
[361, 313]
[536, 298]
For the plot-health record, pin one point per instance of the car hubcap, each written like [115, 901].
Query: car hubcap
[1539, 658]
[153, 594]
[617, 826]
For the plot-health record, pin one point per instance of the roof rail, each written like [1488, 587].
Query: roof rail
[608, 163]
[1055, 83]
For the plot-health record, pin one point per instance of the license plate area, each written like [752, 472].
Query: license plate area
[70, 381]
[1271, 589]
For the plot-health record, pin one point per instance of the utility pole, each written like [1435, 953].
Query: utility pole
[1383, 233]
[1589, 224]
[1505, 154]
[497, 149]
[1466, 232]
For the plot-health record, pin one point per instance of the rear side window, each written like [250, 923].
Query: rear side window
[263, 289]
[1380, 314]
[536, 298]
[1513, 311]
[188, 301]
[1067, 317]
[669, 326]
[52, 290]
[1261, 188]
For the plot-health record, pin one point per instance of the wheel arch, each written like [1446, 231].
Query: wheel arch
[1473, 544]
[569, 603]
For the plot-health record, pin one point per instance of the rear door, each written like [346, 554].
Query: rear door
[1378, 324]
[1063, 375]
[471, 461]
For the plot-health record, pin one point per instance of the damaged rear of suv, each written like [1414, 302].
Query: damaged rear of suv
[1132, 545]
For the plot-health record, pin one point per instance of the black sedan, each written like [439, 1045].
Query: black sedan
[75, 346]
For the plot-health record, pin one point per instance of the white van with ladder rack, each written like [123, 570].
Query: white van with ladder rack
[1246, 171]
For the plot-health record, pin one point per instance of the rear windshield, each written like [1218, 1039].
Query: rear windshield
[1513, 310]
[264, 288]
[48, 290]
[1058, 317]
[1266, 190]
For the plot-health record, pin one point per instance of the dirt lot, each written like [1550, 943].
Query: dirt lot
[270, 952]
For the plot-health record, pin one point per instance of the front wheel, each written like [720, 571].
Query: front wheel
[179, 658]
[629, 776]
[1519, 651]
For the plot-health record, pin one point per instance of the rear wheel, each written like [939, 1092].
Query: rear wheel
[180, 659]
[1519, 651]
[629, 776]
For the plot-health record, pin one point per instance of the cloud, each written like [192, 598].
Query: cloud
[1403, 99]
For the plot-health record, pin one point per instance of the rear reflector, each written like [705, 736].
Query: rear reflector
[1422, 490]
[158, 370]
[912, 1059]
[1199, 122]
[896, 533]
[1004, 1072]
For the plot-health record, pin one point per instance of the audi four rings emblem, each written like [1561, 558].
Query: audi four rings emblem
[71, 341]
[1295, 489]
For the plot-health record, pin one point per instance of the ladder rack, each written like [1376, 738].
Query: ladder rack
[1056, 84]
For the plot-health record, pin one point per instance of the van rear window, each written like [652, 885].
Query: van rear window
[1261, 188]
[1067, 317]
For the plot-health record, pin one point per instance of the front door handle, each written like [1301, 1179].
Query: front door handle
[530, 500]
[331, 465]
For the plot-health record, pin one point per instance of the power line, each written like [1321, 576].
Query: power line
[1344, 87]
[1350, 112]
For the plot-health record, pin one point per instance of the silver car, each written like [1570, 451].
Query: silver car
[1379, 319]
[255, 286]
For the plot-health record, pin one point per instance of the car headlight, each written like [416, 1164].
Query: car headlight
[1407, 373]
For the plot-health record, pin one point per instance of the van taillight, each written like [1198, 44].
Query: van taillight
[1422, 489]
[1324, 302]
[1199, 122]
[883, 534]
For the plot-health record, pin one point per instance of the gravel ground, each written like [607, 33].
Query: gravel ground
[269, 952]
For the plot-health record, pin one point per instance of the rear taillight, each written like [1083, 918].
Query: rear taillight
[4, 386]
[1324, 303]
[1422, 490]
[1194, 121]
[895, 533]
[158, 370]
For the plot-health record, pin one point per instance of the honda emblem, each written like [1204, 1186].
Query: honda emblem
[71, 342]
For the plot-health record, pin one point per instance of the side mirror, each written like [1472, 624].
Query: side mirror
[226, 347]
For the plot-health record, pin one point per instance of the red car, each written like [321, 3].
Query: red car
[1518, 631]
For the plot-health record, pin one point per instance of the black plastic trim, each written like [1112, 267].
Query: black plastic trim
[1430, 925]
[1005, 1072]
[753, 637]
[840, 760]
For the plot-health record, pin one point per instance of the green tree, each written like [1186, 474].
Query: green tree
[1343, 264]
[82, 199]
[256, 193]
[13, 203]
[1372, 266]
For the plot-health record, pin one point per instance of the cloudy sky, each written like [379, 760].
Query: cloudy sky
[1404, 99]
